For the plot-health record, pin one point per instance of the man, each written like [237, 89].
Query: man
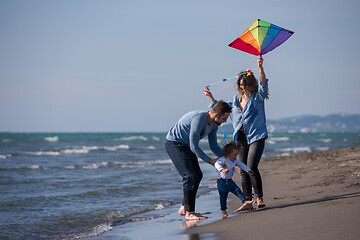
[182, 145]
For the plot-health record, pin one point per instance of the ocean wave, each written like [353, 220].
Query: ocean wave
[70, 167]
[295, 150]
[131, 214]
[92, 166]
[39, 153]
[95, 231]
[76, 151]
[322, 148]
[52, 139]
[279, 139]
[142, 163]
[79, 150]
[131, 138]
[5, 156]
[325, 140]
[115, 148]
[150, 147]
[35, 167]
[95, 165]
[86, 149]
[156, 139]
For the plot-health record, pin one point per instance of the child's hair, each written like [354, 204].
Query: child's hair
[228, 148]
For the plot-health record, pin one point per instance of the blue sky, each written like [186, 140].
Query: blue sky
[89, 65]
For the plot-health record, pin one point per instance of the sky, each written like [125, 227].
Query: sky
[132, 66]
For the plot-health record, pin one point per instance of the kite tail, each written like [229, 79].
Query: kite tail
[225, 136]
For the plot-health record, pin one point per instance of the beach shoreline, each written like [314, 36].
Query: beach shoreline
[312, 195]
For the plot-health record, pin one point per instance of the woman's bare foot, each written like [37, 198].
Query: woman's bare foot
[246, 206]
[182, 211]
[225, 214]
[260, 203]
[194, 216]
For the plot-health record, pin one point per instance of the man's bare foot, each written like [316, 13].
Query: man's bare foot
[260, 203]
[189, 223]
[182, 211]
[194, 216]
[225, 214]
[246, 206]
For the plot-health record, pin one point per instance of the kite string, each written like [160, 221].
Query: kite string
[222, 81]
[226, 79]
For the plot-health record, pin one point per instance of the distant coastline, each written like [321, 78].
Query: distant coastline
[340, 122]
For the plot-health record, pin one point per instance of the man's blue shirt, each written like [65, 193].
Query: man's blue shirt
[191, 128]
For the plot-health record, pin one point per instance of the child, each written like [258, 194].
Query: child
[226, 167]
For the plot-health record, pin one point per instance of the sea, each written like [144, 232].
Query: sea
[83, 185]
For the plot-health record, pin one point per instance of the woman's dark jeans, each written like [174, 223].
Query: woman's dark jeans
[251, 155]
[186, 163]
[224, 187]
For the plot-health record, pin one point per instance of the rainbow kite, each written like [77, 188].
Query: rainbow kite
[261, 37]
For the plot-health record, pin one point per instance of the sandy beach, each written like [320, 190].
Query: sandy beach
[308, 196]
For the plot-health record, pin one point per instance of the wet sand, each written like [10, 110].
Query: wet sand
[308, 196]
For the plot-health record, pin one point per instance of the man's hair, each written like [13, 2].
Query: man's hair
[221, 108]
[228, 148]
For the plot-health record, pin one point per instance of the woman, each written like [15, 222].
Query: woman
[249, 122]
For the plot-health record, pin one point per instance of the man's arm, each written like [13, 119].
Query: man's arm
[194, 139]
[213, 144]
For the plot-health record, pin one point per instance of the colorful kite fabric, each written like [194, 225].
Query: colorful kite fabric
[261, 37]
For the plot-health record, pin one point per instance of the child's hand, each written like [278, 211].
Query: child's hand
[250, 172]
[208, 93]
[225, 170]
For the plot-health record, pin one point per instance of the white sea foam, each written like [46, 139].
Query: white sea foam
[156, 138]
[325, 140]
[97, 230]
[76, 151]
[285, 154]
[5, 156]
[273, 140]
[70, 167]
[6, 140]
[322, 148]
[33, 167]
[79, 150]
[40, 153]
[95, 166]
[280, 139]
[151, 148]
[295, 149]
[131, 138]
[119, 147]
[159, 206]
[142, 163]
[52, 139]
[157, 162]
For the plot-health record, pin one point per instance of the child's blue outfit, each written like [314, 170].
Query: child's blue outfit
[225, 184]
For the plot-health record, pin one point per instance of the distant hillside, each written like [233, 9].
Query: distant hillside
[313, 123]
